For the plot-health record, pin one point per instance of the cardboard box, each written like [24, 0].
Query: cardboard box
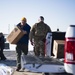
[15, 35]
[58, 48]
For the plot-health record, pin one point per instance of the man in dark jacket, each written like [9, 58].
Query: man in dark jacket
[22, 44]
[2, 44]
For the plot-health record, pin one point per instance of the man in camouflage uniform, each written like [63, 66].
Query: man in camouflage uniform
[38, 34]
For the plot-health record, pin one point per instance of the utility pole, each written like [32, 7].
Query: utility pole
[14, 25]
[8, 28]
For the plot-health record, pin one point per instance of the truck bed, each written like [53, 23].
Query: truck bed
[41, 60]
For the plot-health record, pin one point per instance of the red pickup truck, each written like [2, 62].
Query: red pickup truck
[69, 62]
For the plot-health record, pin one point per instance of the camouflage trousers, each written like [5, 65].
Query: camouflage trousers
[21, 48]
[39, 48]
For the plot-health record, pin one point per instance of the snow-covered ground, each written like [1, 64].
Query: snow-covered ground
[12, 47]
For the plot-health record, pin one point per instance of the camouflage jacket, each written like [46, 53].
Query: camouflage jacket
[39, 31]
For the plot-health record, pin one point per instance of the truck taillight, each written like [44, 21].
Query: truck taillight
[70, 50]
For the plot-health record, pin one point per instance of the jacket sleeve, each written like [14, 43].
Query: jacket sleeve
[32, 32]
[28, 30]
[49, 29]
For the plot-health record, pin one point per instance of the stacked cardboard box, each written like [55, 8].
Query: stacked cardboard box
[58, 48]
[15, 35]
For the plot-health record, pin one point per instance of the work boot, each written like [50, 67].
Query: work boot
[3, 58]
[18, 67]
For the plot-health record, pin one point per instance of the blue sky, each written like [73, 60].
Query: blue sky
[57, 13]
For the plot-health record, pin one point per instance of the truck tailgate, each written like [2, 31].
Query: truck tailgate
[42, 64]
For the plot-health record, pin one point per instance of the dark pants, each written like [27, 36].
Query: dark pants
[19, 49]
[1, 54]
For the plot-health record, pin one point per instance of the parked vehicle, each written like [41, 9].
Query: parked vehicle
[69, 62]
